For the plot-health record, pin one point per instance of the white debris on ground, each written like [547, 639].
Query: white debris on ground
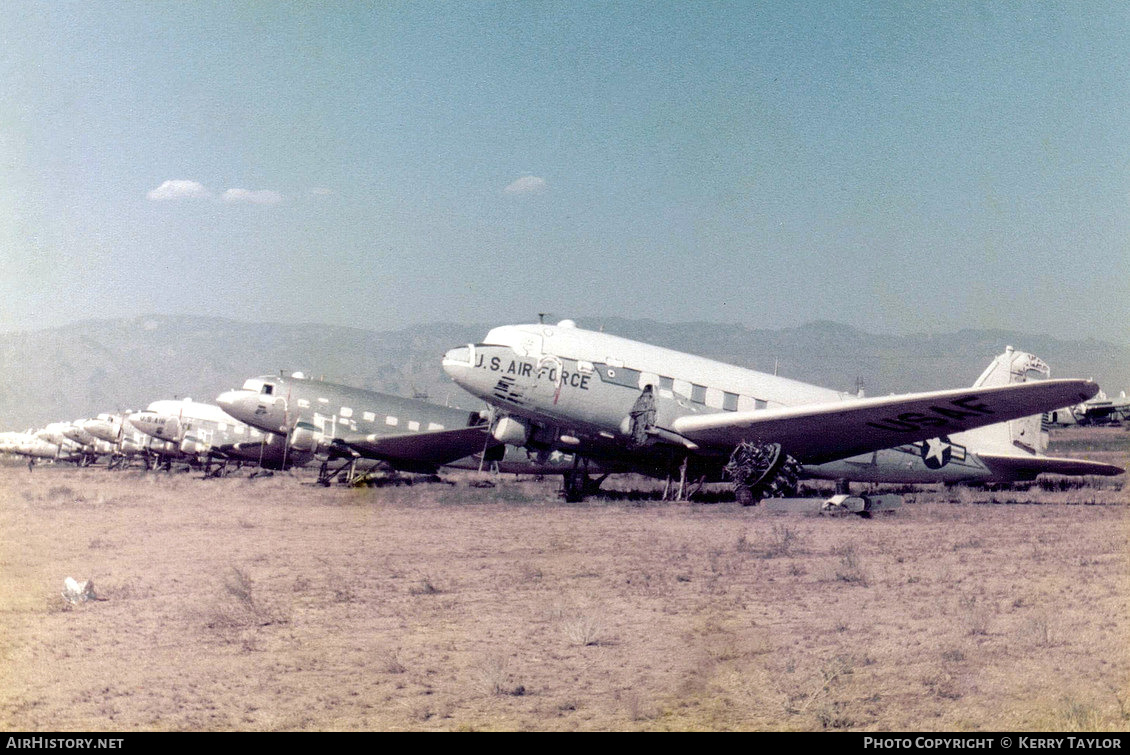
[78, 592]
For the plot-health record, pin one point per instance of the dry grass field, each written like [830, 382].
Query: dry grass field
[272, 604]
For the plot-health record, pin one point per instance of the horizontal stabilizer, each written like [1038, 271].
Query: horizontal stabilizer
[1027, 466]
[412, 450]
[817, 433]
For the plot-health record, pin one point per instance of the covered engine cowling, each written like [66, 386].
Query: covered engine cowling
[511, 431]
[307, 438]
[191, 446]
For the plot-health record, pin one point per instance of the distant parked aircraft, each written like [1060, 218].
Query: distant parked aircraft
[128, 443]
[1099, 410]
[31, 446]
[341, 422]
[203, 431]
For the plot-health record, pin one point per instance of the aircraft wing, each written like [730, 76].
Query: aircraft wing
[1027, 466]
[816, 433]
[434, 448]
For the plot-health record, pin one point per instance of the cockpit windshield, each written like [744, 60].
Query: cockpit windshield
[259, 386]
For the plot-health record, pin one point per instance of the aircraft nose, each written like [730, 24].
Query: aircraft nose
[99, 428]
[157, 425]
[239, 404]
[457, 361]
[137, 421]
[227, 400]
[265, 412]
[460, 355]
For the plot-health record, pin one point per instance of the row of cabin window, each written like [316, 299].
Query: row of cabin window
[346, 413]
[236, 429]
[712, 397]
[666, 387]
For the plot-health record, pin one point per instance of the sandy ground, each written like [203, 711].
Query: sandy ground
[272, 604]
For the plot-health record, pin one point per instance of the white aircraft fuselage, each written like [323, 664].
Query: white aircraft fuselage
[31, 445]
[194, 429]
[339, 421]
[642, 407]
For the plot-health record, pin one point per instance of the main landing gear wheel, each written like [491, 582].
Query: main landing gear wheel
[762, 470]
[576, 483]
[573, 486]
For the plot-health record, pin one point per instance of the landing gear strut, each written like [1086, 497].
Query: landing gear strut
[221, 468]
[326, 474]
[576, 483]
[686, 489]
[762, 470]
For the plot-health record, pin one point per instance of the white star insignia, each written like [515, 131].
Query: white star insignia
[935, 449]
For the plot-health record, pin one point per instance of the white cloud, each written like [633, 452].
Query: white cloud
[178, 189]
[526, 185]
[256, 196]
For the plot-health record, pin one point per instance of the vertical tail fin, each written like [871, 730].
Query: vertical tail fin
[1025, 433]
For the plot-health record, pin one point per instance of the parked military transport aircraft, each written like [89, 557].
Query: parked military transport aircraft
[1097, 411]
[127, 442]
[30, 446]
[54, 433]
[196, 430]
[636, 406]
[340, 422]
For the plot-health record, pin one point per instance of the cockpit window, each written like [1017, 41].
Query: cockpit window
[517, 337]
[268, 389]
[252, 385]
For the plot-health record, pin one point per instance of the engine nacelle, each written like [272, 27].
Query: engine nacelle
[306, 439]
[511, 431]
[163, 446]
[190, 446]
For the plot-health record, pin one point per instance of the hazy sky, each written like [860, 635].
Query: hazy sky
[899, 167]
